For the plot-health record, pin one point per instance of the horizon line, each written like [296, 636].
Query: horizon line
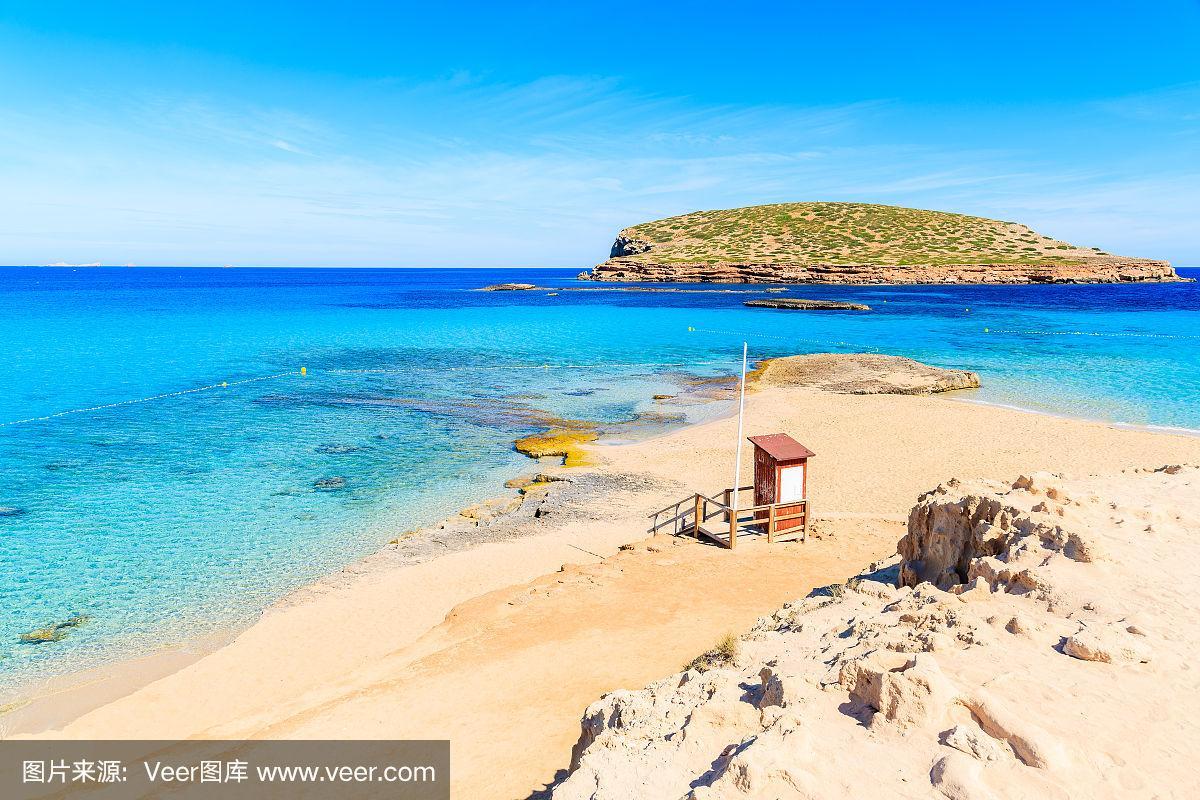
[269, 266]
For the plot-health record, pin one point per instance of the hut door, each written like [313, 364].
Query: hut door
[791, 484]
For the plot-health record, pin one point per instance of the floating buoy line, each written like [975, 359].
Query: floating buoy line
[163, 396]
[303, 371]
[1104, 334]
[863, 347]
[402, 370]
[1010, 331]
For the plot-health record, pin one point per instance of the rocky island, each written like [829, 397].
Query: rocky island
[856, 243]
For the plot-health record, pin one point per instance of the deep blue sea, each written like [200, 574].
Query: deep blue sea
[164, 519]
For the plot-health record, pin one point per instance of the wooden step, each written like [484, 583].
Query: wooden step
[720, 535]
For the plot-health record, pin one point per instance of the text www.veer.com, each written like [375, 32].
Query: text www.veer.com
[346, 774]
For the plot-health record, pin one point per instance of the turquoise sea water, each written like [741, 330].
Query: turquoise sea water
[166, 519]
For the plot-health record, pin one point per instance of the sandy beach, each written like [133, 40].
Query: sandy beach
[509, 402]
[500, 647]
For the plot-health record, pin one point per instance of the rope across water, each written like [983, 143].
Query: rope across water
[397, 371]
[549, 366]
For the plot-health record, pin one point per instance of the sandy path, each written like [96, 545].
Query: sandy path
[340, 659]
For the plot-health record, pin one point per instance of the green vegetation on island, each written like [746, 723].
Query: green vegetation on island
[848, 233]
[857, 243]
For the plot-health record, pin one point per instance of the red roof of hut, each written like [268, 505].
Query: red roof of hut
[782, 447]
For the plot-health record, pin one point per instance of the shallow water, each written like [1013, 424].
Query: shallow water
[166, 519]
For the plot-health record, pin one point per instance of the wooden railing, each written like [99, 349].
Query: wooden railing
[691, 507]
[678, 518]
[702, 508]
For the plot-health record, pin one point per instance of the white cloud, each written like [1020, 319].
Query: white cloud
[287, 147]
[463, 172]
[1172, 104]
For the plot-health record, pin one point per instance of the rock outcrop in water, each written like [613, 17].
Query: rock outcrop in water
[861, 373]
[1041, 644]
[566, 442]
[800, 304]
[509, 287]
[856, 243]
[56, 632]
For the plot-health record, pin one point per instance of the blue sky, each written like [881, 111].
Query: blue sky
[489, 134]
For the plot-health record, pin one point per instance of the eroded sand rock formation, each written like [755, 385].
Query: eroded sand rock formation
[1041, 643]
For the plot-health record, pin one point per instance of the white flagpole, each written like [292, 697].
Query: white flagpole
[737, 464]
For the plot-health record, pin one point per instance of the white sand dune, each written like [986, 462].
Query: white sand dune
[1059, 663]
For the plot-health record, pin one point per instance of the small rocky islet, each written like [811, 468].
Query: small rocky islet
[510, 287]
[800, 304]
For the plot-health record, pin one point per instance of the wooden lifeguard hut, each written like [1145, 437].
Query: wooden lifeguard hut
[779, 509]
[781, 480]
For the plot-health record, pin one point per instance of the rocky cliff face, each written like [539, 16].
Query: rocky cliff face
[640, 267]
[1041, 643]
[628, 246]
